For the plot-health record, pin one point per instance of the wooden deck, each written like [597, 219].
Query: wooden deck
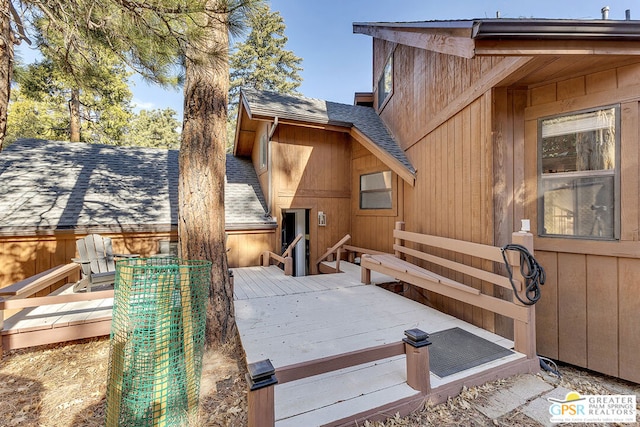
[294, 320]
[55, 323]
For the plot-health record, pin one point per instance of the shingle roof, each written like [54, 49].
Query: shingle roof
[50, 185]
[365, 119]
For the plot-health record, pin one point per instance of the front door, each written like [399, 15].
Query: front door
[294, 222]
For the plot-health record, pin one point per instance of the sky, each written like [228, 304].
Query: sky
[337, 63]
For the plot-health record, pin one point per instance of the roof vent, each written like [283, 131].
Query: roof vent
[627, 14]
[605, 12]
[498, 14]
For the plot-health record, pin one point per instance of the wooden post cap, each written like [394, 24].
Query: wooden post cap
[416, 338]
[261, 374]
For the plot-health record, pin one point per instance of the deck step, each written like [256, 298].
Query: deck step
[341, 394]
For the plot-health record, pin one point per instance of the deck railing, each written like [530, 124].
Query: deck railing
[286, 259]
[409, 244]
[263, 376]
[17, 296]
[341, 251]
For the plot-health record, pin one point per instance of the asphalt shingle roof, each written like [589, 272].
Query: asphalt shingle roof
[365, 119]
[50, 185]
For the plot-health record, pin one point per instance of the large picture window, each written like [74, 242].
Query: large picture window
[385, 82]
[579, 175]
[375, 191]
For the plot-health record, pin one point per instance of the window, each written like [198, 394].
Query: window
[579, 175]
[375, 191]
[385, 83]
[263, 151]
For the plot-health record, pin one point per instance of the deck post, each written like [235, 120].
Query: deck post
[261, 402]
[288, 266]
[416, 347]
[524, 333]
[338, 257]
[1, 324]
[400, 242]
[265, 258]
[365, 273]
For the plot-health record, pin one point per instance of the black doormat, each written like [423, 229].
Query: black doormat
[454, 350]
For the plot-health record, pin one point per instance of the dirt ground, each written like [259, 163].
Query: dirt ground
[65, 385]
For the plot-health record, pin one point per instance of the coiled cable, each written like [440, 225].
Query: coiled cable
[533, 273]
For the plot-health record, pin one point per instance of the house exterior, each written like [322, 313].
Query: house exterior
[54, 192]
[480, 124]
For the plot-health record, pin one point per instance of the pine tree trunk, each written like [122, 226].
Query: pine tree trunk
[74, 116]
[6, 66]
[201, 226]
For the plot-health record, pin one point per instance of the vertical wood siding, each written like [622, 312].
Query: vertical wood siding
[590, 305]
[24, 256]
[373, 229]
[454, 189]
[312, 170]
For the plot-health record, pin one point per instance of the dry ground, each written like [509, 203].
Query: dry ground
[64, 385]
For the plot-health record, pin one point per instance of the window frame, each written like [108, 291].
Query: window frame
[617, 215]
[263, 152]
[382, 102]
[380, 190]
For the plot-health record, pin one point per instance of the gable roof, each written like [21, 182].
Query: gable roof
[471, 37]
[51, 185]
[363, 123]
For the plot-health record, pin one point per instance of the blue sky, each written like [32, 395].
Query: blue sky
[337, 62]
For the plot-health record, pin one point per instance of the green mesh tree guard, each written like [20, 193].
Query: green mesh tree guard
[157, 341]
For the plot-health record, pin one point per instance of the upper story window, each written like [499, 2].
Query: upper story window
[579, 175]
[375, 191]
[385, 83]
[263, 151]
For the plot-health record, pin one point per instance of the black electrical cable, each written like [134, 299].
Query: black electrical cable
[533, 273]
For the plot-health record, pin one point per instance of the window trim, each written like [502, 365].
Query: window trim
[617, 218]
[263, 152]
[390, 190]
[381, 103]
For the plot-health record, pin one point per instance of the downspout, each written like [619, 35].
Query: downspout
[269, 165]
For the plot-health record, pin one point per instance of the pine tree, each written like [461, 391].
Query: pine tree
[261, 60]
[157, 39]
[155, 128]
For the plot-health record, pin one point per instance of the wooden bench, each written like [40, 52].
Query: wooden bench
[405, 246]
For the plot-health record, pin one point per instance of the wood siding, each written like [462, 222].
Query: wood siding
[590, 305]
[373, 229]
[244, 247]
[24, 256]
[453, 193]
[311, 170]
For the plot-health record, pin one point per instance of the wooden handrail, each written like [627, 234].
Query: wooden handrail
[360, 250]
[522, 315]
[286, 258]
[53, 299]
[291, 246]
[38, 282]
[333, 249]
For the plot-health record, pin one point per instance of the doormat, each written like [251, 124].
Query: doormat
[454, 350]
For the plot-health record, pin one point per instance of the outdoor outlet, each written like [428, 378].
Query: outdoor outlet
[322, 219]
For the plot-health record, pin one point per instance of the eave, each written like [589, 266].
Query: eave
[512, 37]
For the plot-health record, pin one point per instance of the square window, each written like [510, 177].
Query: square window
[579, 175]
[375, 191]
